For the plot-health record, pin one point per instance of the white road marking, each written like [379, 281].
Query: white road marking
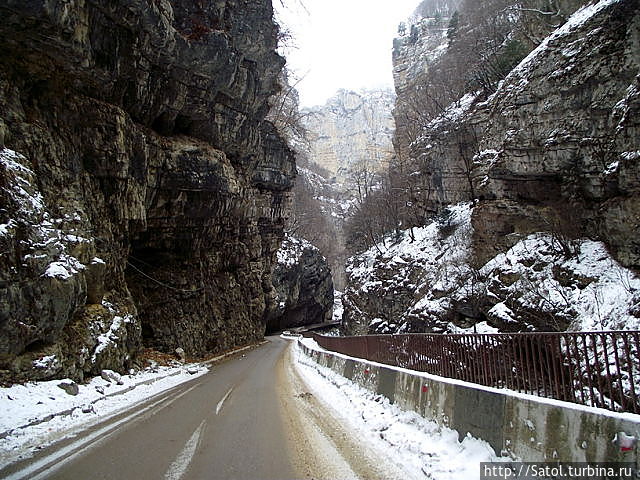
[179, 466]
[57, 459]
[221, 402]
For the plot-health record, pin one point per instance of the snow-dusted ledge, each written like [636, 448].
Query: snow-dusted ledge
[525, 427]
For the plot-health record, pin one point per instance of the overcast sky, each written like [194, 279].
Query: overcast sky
[341, 43]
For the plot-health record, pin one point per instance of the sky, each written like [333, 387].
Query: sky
[341, 43]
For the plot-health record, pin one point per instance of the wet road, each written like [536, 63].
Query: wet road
[250, 418]
[226, 424]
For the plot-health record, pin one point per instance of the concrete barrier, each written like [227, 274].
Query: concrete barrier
[526, 427]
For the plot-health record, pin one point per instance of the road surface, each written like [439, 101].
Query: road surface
[249, 418]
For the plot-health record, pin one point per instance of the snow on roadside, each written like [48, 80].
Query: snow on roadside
[415, 444]
[54, 414]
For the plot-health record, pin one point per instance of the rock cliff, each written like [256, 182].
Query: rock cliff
[549, 160]
[561, 133]
[351, 131]
[424, 280]
[143, 195]
[303, 282]
[557, 136]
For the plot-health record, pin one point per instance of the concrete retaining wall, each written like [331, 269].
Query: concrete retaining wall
[526, 427]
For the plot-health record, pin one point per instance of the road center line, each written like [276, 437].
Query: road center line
[221, 402]
[179, 466]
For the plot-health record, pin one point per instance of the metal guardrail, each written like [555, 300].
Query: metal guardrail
[599, 369]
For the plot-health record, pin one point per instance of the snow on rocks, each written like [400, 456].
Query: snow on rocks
[338, 308]
[48, 364]
[589, 291]
[111, 376]
[48, 247]
[409, 274]
[579, 18]
[52, 257]
[423, 281]
[111, 336]
[453, 113]
[291, 250]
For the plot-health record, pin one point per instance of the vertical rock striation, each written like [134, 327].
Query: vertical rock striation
[351, 132]
[303, 282]
[157, 191]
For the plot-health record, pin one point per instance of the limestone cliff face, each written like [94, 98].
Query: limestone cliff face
[143, 194]
[350, 131]
[303, 282]
[419, 45]
[554, 147]
[549, 161]
[561, 133]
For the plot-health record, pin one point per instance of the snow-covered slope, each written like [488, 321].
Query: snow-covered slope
[424, 280]
[587, 291]
[413, 274]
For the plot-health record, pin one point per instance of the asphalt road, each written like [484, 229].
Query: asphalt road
[249, 418]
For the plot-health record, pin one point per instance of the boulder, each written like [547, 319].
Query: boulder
[304, 286]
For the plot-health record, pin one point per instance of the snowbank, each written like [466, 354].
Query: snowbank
[419, 446]
[39, 413]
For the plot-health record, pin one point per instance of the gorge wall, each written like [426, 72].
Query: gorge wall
[352, 131]
[302, 277]
[345, 151]
[548, 162]
[556, 143]
[142, 194]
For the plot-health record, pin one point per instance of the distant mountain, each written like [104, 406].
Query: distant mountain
[352, 131]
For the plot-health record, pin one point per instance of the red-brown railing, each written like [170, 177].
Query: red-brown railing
[600, 369]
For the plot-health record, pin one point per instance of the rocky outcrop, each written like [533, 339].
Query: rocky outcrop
[302, 280]
[320, 209]
[420, 44]
[350, 140]
[351, 131]
[424, 280]
[406, 284]
[554, 148]
[549, 160]
[148, 197]
[561, 133]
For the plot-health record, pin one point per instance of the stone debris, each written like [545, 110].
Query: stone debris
[181, 355]
[70, 387]
[111, 376]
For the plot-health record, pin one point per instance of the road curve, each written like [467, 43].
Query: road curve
[250, 418]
